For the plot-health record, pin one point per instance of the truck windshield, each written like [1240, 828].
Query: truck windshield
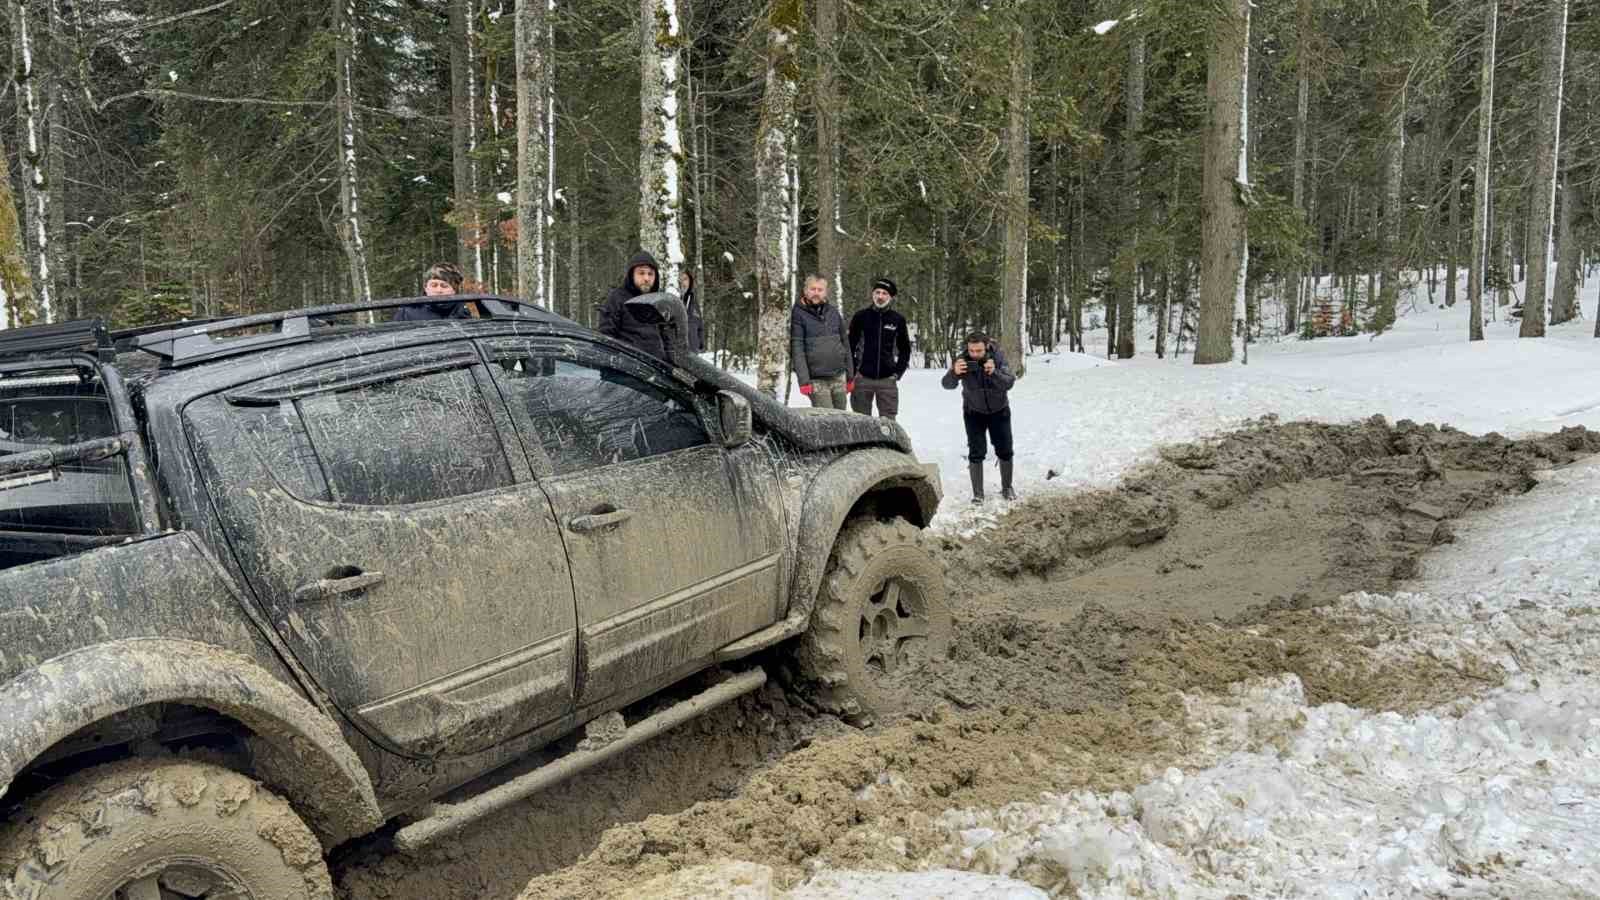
[74, 499]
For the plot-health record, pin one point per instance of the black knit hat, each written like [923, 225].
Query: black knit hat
[445, 271]
[887, 284]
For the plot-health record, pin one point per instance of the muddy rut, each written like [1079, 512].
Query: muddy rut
[1079, 618]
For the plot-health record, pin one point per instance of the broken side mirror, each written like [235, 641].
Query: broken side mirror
[737, 425]
[665, 311]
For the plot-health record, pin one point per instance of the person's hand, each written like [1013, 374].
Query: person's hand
[988, 367]
[806, 389]
[960, 367]
[850, 387]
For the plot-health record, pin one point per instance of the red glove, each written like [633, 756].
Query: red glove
[806, 389]
[849, 387]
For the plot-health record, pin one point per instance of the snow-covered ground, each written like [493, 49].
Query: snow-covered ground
[1081, 420]
[1494, 796]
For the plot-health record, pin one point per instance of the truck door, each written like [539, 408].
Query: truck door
[411, 563]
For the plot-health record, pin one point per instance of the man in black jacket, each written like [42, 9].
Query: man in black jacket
[642, 276]
[817, 347]
[985, 382]
[881, 345]
[691, 308]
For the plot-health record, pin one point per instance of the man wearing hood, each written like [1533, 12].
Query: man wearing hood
[642, 276]
[817, 346]
[881, 343]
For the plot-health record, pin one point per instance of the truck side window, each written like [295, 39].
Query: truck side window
[584, 416]
[409, 440]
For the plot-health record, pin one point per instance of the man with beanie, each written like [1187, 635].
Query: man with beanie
[881, 346]
[817, 347]
[642, 276]
[440, 280]
[985, 382]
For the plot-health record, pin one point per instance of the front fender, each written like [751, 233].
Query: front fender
[297, 749]
[829, 497]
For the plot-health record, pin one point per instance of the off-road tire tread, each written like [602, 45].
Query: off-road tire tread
[110, 803]
[828, 646]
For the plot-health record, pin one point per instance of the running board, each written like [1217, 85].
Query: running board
[448, 818]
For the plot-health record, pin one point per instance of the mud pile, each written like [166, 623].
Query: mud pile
[1080, 618]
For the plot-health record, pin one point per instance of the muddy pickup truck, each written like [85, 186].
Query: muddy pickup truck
[271, 583]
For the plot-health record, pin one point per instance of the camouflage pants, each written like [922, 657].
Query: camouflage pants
[828, 393]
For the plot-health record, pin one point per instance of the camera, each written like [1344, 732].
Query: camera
[973, 365]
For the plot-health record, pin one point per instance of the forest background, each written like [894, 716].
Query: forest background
[1177, 172]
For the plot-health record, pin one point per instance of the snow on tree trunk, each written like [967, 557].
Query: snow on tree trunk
[1547, 150]
[350, 229]
[1014, 311]
[830, 258]
[660, 146]
[775, 147]
[1564, 303]
[533, 148]
[1480, 192]
[35, 191]
[15, 285]
[464, 134]
[56, 169]
[1224, 183]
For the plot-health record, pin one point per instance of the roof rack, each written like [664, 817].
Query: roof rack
[88, 335]
[204, 341]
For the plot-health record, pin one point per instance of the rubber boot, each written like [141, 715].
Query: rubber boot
[1005, 480]
[975, 469]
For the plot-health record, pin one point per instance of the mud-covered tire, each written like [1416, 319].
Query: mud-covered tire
[882, 612]
[160, 828]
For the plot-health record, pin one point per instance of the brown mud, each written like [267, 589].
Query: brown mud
[1080, 618]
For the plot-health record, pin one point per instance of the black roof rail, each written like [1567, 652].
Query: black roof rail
[77, 335]
[203, 341]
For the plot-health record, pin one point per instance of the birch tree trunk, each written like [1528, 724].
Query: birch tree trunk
[1564, 303]
[464, 137]
[1128, 287]
[1224, 251]
[550, 254]
[1014, 301]
[350, 227]
[16, 288]
[830, 258]
[1480, 193]
[775, 144]
[35, 189]
[660, 147]
[1302, 110]
[1547, 150]
[533, 162]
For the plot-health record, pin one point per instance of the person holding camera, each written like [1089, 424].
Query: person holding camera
[986, 381]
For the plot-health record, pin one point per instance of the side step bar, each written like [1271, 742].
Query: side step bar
[448, 818]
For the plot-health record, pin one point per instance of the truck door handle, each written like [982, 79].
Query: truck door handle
[598, 520]
[324, 588]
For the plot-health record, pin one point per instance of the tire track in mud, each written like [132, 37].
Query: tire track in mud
[1080, 617]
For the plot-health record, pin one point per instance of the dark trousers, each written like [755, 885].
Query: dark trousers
[885, 390]
[996, 425]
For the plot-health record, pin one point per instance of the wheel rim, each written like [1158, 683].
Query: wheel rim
[894, 627]
[183, 880]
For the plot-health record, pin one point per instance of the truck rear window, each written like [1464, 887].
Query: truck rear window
[84, 498]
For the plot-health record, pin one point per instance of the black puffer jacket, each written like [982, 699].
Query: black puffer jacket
[817, 343]
[697, 322]
[881, 342]
[981, 393]
[615, 321]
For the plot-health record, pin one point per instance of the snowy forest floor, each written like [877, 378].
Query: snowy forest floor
[1286, 659]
